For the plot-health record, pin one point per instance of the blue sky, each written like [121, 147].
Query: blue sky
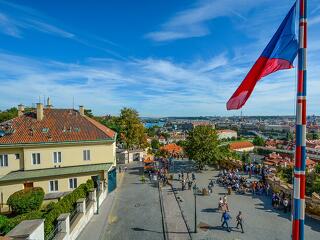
[164, 58]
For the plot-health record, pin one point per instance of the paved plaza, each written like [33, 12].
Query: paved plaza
[261, 221]
[136, 212]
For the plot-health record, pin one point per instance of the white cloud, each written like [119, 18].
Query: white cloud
[192, 22]
[8, 27]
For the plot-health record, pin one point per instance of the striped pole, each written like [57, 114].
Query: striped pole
[301, 117]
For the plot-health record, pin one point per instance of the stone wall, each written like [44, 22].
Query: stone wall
[312, 203]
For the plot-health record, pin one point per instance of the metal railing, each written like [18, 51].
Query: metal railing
[163, 220]
[73, 215]
[88, 200]
[54, 232]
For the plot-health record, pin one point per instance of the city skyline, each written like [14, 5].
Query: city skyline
[165, 59]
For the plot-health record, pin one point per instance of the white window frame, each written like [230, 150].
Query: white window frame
[4, 159]
[54, 185]
[86, 155]
[15, 155]
[38, 159]
[73, 183]
[57, 157]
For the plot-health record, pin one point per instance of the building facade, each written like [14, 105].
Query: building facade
[226, 134]
[56, 149]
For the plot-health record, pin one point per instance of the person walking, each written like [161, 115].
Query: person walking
[240, 221]
[285, 205]
[225, 219]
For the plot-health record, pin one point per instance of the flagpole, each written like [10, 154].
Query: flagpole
[298, 213]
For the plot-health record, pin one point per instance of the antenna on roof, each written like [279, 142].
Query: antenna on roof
[73, 102]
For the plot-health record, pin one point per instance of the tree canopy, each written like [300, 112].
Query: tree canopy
[132, 131]
[202, 146]
[258, 141]
[8, 114]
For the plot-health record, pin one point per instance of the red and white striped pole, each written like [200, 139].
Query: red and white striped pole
[298, 212]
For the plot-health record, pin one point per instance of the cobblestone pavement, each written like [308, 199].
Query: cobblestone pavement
[260, 220]
[136, 212]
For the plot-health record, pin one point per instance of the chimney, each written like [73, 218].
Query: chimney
[20, 110]
[81, 110]
[39, 111]
[49, 105]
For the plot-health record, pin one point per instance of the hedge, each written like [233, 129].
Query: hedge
[27, 200]
[3, 222]
[65, 205]
[51, 213]
[10, 223]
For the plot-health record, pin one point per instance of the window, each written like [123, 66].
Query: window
[57, 157]
[4, 160]
[53, 186]
[17, 155]
[35, 158]
[86, 155]
[73, 183]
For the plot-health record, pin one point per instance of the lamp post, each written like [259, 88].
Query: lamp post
[195, 191]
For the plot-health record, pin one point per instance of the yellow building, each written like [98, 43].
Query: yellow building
[56, 149]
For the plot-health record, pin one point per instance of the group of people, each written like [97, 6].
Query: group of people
[226, 217]
[186, 180]
[280, 200]
[233, 180]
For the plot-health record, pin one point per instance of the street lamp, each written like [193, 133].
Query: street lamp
[195, 192]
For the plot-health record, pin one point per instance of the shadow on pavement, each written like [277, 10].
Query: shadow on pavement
[208, 210]
[147, 230]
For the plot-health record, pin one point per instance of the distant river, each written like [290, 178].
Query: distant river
[152, 124]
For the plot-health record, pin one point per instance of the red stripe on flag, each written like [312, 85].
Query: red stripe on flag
[302, 186]
[298, 157]
[304, 112]
[300, 82]
[295, 232]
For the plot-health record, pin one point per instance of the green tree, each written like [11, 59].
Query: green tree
[155, 144]
[8, 114]
[152, 131]
[258, 141]
[202, 146]
[88, 112]
[132, 131]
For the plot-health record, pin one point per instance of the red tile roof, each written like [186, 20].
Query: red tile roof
[239, 145]
[172, 148]
[57, 125]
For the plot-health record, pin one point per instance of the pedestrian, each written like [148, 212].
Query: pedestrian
[179, 176]
[193, 177]
[225, 200]
[189, 185]
[209, 189]
[240, 221]
[273, 199]
[267, 189]
[225, 219]
[220, 203]
[285, 205]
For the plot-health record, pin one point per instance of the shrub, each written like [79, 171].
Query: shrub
[26, 200]
[10, 223]
[66, 205]
[3, 222]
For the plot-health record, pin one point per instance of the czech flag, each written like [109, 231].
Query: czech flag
[279, 54]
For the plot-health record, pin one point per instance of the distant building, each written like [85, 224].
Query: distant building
[162, 140]
[55, 149]
[135, 155]
[226, 134]
[202, 123]
[244, 146]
